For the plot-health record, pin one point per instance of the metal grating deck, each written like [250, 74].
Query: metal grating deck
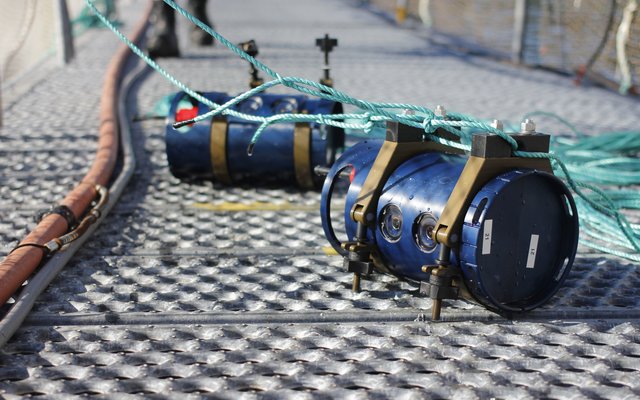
[174, 296]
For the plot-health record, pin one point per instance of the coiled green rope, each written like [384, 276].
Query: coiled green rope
[606, 166]
[598, 211]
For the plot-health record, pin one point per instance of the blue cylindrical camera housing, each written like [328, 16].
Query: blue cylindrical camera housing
[517, 243]
[286, 153]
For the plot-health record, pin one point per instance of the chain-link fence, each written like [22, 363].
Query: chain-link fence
[597, 38]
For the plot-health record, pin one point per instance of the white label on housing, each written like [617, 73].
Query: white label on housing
[486, 236]
[533, 249]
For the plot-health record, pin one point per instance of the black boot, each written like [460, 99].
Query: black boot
[199, 9]
[163, 41]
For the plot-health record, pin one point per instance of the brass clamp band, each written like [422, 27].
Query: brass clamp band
[218, 150]
[302, 155]
[402, 143]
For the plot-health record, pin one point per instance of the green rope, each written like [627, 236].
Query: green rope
[87, 19]
[598, 168]
[600, 209]
[318, 90]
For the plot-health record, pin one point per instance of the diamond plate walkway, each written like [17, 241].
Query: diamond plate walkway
[174, 296]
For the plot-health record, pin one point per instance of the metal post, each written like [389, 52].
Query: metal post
[401, 11]
[526, 31]
[64, 34]
[519, 22]
[0, 99]
[424, 11]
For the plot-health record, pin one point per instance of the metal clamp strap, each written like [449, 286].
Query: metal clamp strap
[218, 150]
[302, 155]
[62, 210]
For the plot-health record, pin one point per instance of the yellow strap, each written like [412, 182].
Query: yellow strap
[218, 150]
[302, 155]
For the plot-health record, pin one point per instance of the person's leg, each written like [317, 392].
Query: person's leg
[199, 9]
[163, 41]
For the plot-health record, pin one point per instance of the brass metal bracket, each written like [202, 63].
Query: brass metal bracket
[402, 142]
[302, 155]
[490, 156]
[218, 150]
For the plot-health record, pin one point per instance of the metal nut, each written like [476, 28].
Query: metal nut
[497, 124]
[528, 126]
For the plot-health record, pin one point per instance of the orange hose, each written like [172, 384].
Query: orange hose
[22, 262]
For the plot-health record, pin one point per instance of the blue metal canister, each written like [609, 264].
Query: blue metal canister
[286, 153]
[518, 240]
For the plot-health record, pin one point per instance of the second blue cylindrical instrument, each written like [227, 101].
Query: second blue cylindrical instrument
[286, 153]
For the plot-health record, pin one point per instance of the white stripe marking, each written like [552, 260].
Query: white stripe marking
[533, 249]
[486, 236]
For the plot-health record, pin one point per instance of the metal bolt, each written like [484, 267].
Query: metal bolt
[435, 309]
[440, 111]
[355, 287]
[528, 126]
[497, 124]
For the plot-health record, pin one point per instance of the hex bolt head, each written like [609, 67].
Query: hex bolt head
[440, 111]
[497, 124]
[528, 126]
